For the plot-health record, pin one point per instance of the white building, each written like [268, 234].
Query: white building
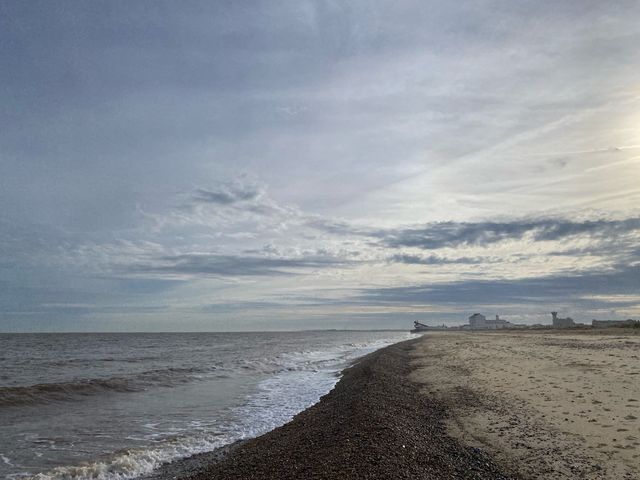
[478, 320]
[558, 322]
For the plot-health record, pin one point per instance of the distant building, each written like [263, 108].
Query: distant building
[478, 321]
[499, 323]
[562, 322]
[614, 323]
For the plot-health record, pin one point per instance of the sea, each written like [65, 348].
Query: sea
[117, 406]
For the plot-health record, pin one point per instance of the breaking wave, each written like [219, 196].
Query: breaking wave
[169, 377]
[289, 383]
[136, 462]
[63, 391]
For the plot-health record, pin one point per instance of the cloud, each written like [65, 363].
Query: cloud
[435, 260]
[544, 292]
[230, 198]
[235, 307]
[333, 226]
[232, 265]
[228, 194]
[453, 234]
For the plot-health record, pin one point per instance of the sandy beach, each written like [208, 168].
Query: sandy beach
[561, 405]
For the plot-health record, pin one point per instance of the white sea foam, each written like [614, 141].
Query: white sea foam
[136, 462]
[297, 381]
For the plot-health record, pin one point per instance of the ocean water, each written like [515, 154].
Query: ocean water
[116, 406]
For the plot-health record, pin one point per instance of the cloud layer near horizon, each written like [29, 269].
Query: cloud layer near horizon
[316, 164]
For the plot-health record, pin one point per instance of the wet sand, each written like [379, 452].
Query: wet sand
[375, 424]
[561, 405]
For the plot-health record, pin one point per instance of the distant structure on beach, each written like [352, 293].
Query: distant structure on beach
[421, 327]
[562, 322]
[477, 321]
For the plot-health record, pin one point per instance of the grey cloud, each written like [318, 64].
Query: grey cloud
[227, 195]
[232, 265]
[437, 235]
[434, 260]
[334, 227]
[452, 234]
[241, 195]
[550, 230]
[234, 307]
[544, 291]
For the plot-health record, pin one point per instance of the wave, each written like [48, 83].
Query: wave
[63, 391]
[278, 398]
[293, 381]
[312, 360]
[300, 361]
[136, 462]
[76, 389]
[90, 361]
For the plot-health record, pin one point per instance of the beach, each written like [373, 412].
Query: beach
[551, 404]
[375, 423]
[476, 405]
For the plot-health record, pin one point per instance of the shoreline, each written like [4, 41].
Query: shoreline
[474, 405]
[375, 423]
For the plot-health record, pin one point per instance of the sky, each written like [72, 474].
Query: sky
[232, 166]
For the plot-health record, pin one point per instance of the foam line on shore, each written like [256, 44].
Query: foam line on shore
[293, 381]
[374, 424]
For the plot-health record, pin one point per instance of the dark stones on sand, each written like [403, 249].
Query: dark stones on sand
[375, 424]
